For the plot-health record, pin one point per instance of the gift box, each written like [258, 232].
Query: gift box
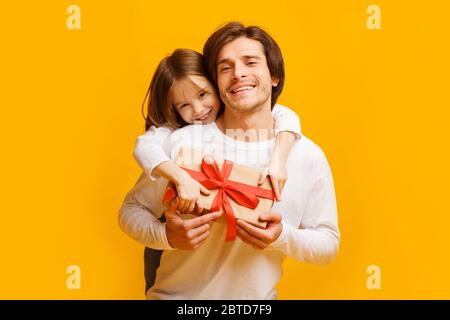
[234, 188]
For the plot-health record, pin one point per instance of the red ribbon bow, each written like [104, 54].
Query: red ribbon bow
[212, 178]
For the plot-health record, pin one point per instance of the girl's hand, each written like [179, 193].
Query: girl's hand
[189, 191]
[276, 170]
[277, 175]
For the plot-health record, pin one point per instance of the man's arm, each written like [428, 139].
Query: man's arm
[138, 216]
[317, 238]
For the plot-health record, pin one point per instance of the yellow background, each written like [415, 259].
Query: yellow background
[375, 101]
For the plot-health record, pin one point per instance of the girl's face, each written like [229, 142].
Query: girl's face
[195, 99]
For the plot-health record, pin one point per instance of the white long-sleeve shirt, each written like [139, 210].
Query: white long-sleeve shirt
[149, 152]
[234, 270]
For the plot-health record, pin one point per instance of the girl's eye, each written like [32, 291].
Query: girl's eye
[183, 106]
[203, 94]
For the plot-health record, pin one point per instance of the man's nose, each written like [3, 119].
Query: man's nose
[239, 71]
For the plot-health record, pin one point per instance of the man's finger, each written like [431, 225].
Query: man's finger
[276, 187]
[271, 217]
[171, 210]
[252, 230]
[250, 238]
[197, 242]
[198, 231]
[176, 202]
[195, 222]
[246, 241]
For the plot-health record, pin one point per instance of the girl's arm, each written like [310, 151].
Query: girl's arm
[287, 130]
[188, 189]
[149, 152]
[150, 155]
[286, 120]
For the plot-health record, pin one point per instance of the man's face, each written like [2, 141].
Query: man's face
[243, 76]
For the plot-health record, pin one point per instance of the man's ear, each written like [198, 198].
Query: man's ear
[275, 82]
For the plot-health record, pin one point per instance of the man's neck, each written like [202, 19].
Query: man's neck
[259, 120]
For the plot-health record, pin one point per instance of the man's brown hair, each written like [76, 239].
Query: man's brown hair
[234, 30]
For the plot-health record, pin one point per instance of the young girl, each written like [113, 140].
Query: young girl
[180, 94]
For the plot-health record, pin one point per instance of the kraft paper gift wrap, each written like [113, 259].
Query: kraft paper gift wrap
[240, 186]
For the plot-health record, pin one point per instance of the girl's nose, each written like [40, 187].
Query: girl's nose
[197, 108]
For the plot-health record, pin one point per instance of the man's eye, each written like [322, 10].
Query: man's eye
[203, 94]
[251, 63]
[225, 69]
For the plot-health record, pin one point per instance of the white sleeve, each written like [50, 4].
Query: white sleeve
[149, 152]
[141, 208]
[286, 120]
[317, 239]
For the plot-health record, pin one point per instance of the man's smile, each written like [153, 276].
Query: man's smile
[242, 87]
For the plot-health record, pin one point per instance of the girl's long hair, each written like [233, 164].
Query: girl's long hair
[180, 64]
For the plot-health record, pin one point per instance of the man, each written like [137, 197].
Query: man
[247, 67]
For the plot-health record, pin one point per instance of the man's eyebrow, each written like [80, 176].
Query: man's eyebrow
[248, 57]
[252, 57]
[225, 60]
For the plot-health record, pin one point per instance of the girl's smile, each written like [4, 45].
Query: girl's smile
[195, 99]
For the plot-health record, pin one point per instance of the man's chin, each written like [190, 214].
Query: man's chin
[242, 106]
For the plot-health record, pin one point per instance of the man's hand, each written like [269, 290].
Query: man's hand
[260, 238]
[187, 234]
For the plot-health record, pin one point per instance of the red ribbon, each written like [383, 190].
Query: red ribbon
[212, 178]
